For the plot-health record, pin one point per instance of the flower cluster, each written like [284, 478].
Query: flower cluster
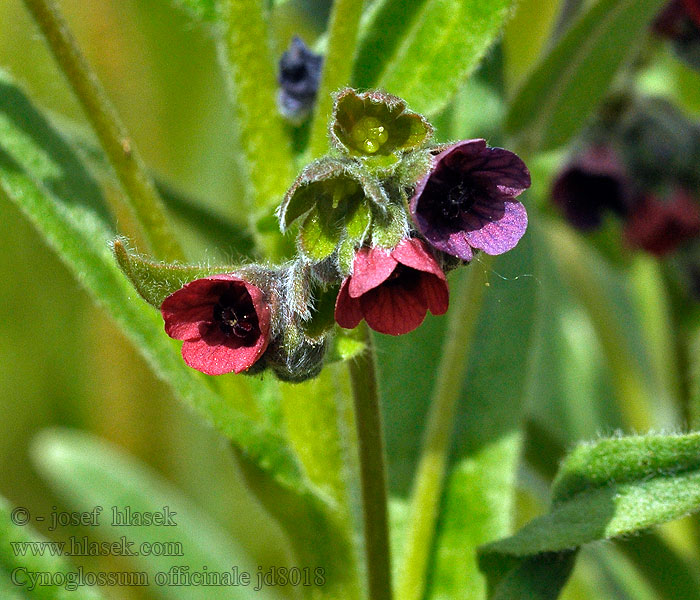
[641, 167]
[379, 221]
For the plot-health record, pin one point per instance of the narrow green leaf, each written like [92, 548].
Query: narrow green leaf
[154, 280]
[382, 27]
[89, 473]
[604, 490]
[444, 44]
[337, 67]
[525, 37]
[20, 562]
[80, 236]
[564, 90]
[479, 502]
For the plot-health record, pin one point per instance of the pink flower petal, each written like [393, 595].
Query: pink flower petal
[413, 253]
[436, 293]
[371, 268]
[348, 313]
[394, 311]
[218, 359]
[503, 233]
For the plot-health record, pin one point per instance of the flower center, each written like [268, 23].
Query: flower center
[459, 199]
[236, 317]
[369, 134]
[403, 276]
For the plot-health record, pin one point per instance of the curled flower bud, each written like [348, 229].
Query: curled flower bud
[392, 289]
[223, 320]
[590, 184]
[659, 226]
[299, 76]
[467, 200]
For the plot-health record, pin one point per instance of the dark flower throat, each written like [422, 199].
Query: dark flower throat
[236, 317]
[460, 198]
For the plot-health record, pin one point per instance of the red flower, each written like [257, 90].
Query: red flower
[392, 289]
[223, 320]
[659, 226]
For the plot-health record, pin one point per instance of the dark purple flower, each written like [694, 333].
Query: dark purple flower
[660, 225]
[299, 76]
[592, 183]
[392, 289]
[467, 200]
[679, 21]
[223, 320]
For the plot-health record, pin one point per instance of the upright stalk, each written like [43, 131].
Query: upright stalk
[130, 169]
[337, 67]
[373, 482]
[430, 474]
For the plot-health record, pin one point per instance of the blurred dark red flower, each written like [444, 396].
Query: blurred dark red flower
[593, 182]
[679, 21]
[392, 289]
[467, 200]
[223, 320]
[659, 226]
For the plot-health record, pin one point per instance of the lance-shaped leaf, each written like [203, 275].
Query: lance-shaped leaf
[443, 43]
[604, 490]
[155, 281]
[34, 162]
[565, 88]
[375, 124]
[89, 472]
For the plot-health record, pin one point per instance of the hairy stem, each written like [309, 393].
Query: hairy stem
[430, 474]
[363, 376]
[337, 68]
[119, 148]
[265, 145]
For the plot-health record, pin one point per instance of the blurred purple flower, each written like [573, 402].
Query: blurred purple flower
[467, 200]
[679, 21]
[299, 76]
[590, 184]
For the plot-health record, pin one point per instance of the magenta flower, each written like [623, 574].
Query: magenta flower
[392, 289]
[659, 226]
[592, 183]
[223, 320]
[467, 200]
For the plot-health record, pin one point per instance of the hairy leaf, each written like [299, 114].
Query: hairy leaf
[611, 488]
[154, 281]
[443, 45]
[31, 160]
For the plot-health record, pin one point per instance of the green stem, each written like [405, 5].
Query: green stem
[120, 151]
[430, 474]
[363, 376]
[337, 68]
[265, 145]
[660, 335]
